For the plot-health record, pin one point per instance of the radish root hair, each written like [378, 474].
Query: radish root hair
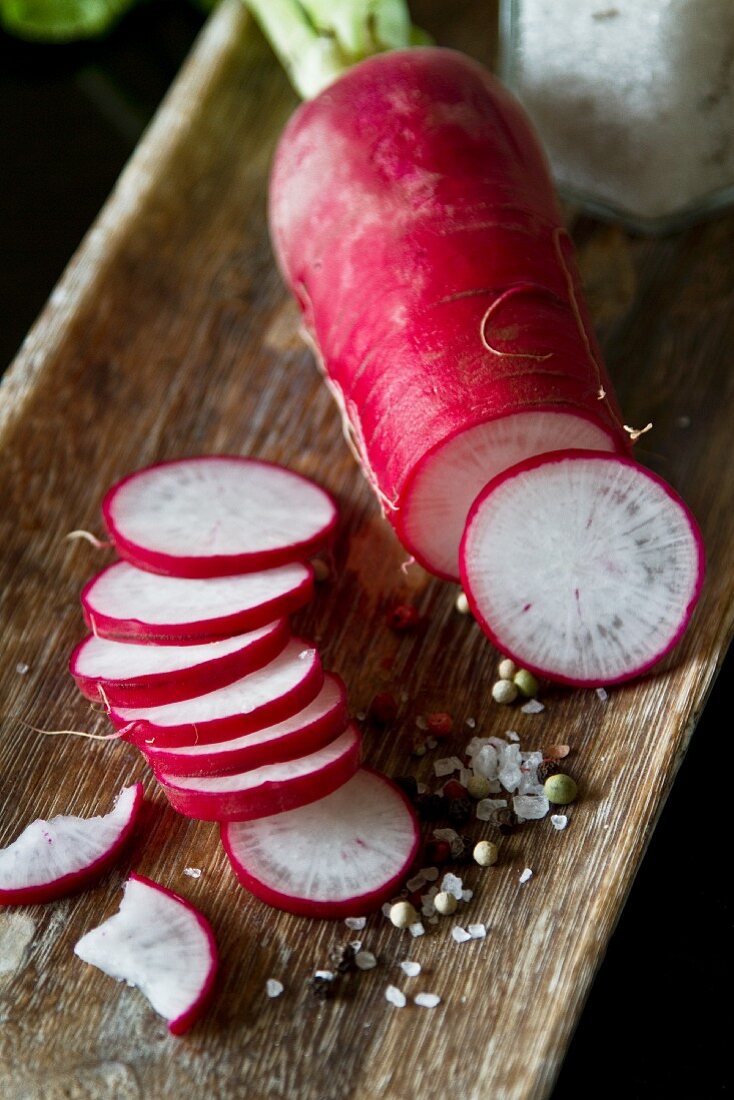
[98, 544]
[508, 293]
[635, 433]
[114, 736]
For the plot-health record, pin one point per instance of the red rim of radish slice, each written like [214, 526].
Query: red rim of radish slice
[192, 669]
[38, 838]
[97, 949]
[244, 706]
[529, 540]
[146, 555]
[290, 588]
[403, 516]
[272, 789]
[293, 842]
[306, 731]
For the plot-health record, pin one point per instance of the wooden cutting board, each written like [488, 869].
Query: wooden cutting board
[170, 334]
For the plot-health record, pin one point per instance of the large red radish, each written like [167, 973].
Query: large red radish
[413, 216]
[51, 859]
[261, 698]
[126, 603]
[583, 567]
[127, 674]
[304, 732]
[341, 856]
[217, 515]
[267, 790]
[158, 942]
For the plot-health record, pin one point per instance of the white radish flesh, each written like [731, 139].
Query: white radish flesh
[341, 856]
[159, 943]
[217, 515]
[269, 695]
[311, 728]
[131, 675]
[124, 602]
[268, 790]
[581, 566]
[53, 858]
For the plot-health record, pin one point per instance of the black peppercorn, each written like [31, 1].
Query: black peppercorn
[431, 807]
[460, 810]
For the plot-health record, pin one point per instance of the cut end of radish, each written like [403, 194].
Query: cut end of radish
[341, 856]
[160, 944]
[217, 515]
[53, 858]
[449, 479]
[581, 566]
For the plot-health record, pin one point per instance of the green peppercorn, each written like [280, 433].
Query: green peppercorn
[560, 789]
[526, 683]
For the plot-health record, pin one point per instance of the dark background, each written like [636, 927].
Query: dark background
[658, 1020]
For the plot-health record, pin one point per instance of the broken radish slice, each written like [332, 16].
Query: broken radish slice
[268, 790]
[53, 858]
[311, 728]
[123, 602]
[160, 944]
[217, 515]
[131, 675]
[582, 566]
[269, 695]
[341, 856]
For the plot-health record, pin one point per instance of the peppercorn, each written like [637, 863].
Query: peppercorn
[403, 914]
[460, 810]
[506, 669]
[445, 903]
[321, 571]
[547, 768]
[525, 683]
[486, 853]
[408, 784]
[467, 843]
[454, 789]
[384, 708]
[418, 746]
[462, 604]
[321, 988]
[560, 789]
[431, 807]
[506, 820]
[478, 787]
[504, 692]
[403, 617]
[437, 852]
[342, 957]
[440, 724]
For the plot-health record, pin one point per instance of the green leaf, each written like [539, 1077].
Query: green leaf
[61, 20]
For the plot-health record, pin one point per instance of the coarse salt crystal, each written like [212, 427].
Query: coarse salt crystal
[603, 695]
[395, 996]
[386, 909]
[416, 882]
[488, 807]
[365, 960]
[21, 668]
[467, 895]
[360, 716]
[417, 929]
[530, 807]
[559, 821]
[356, 945]
[193, 872]
[471, 723]
[355, 924]
[430, 874]
[452, 838]
[327, 975]
[422, 788]
[512, 736]
[533, 706]
[527, 873]
[446, 766]
[460, 934]
[273, 987]
[428, 907]
[477, 931]
[452, 884]
[427, 1000]
[432, 920]
[421, 722]
[412, 969]
[465, 775]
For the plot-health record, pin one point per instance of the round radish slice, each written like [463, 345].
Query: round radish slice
[310, 729]
[269, 695]
[217, 515]
[342, 856]
[268, 790]
[159, 943]
[123, 602]
[581, 566]
[132, 675]
[53, 858]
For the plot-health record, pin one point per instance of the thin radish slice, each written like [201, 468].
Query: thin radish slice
[342, 856]
[133, 675]
[264, 791]
[217, 515]
[126, 603]
[305, 732]
[582, 566]
[160, 944]
[269, 695]
[53, 858]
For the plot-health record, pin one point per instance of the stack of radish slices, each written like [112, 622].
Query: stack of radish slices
[192, 654]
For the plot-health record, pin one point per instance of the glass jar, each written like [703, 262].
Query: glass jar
[633, 100]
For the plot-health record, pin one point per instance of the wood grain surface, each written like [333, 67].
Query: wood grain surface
[170, 334]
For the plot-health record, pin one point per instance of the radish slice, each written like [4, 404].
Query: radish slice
[217, 515]
[159, 943]
[123, 602]
[268, 790]
[271, 694]
[57, 857]
[342, 856]
[310, 729]
[449, 478]
[581, 566]
[148, 675]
